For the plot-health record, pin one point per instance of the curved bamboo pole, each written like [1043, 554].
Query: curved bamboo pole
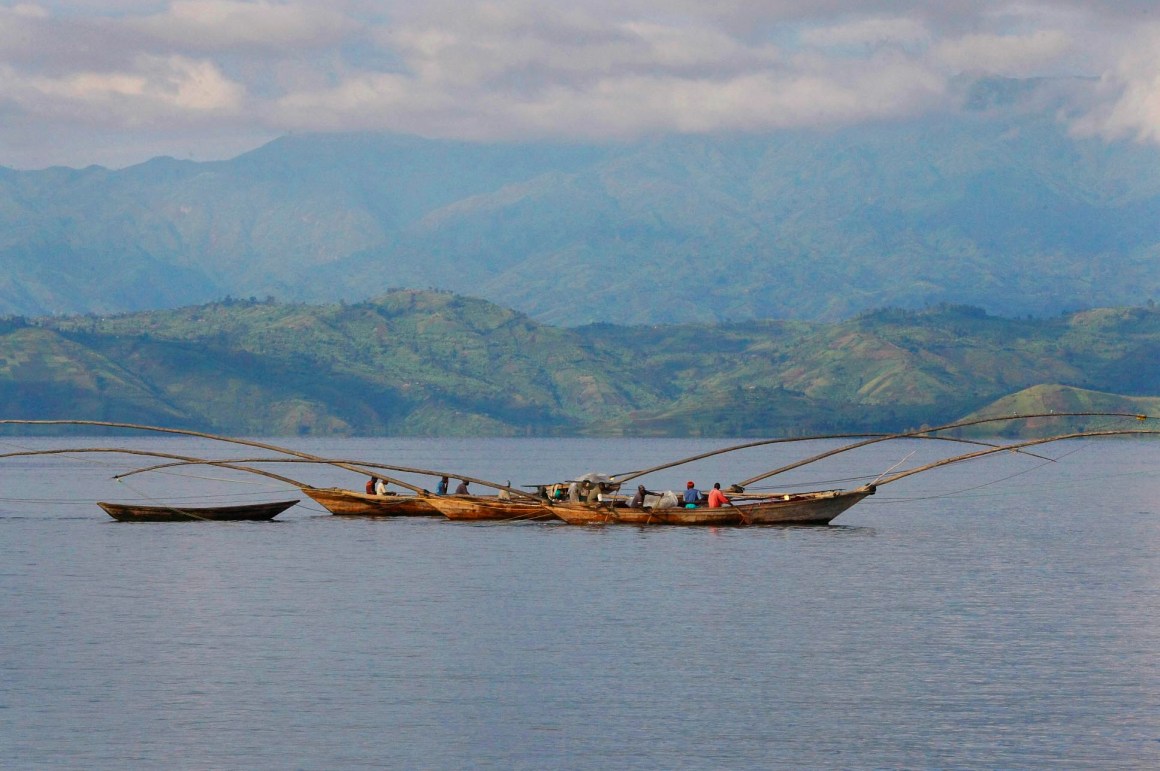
[216, 437]
[980, 453]
[331, 462]
[740, 486]
[184, 459]
[784, 440]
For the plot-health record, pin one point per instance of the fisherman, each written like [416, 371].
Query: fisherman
[371, 485]
[380, 487]
[637, 501]
[441, 488]
[503, 494]
[692, 494]
[462, 488]
[717, 498]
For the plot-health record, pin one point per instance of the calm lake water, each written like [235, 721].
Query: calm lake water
[996, 614]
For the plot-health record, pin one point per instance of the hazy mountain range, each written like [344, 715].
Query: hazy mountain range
[995, 206]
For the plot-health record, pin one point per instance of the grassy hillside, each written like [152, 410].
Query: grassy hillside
[431, 363]
[1063, 399]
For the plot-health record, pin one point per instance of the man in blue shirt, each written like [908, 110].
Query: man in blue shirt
[692, 494]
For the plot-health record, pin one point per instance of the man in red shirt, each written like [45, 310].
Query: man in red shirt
[717, 498]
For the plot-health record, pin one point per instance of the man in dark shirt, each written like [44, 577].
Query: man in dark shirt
[638, 499]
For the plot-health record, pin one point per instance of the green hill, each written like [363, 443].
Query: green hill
[1062, 399]
[434, 363]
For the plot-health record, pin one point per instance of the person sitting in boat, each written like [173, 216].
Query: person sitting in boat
[637, 501]
[461, 489]
[380, 487]
[503, 494]
[717, 499]
[692, 494]
[371, 485]
[441, 488]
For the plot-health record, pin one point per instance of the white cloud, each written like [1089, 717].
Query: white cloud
[221, 24]
[157, 88]
[1011, 55]
[1132, 89]
[362, 102]
[514, 68]
[869, 32]
[29, 11]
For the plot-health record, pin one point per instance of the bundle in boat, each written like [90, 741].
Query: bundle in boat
[127, 512]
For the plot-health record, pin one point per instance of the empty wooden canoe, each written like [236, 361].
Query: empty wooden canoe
[129, 512]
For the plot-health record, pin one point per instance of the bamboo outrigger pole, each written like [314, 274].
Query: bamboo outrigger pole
[181, 458]
[216, 437]
[358, 467]
[919, 433]
[327, 461]
[1029, 443]
[785, 440]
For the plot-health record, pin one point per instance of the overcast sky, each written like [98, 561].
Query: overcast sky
[116, 82]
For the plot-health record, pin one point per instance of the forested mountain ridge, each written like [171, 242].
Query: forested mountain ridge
[996, 206]
[430, 363]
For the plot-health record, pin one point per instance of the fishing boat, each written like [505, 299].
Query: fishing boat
[489, 507]
[811, 508]
[807, 508]
[129, 512]
[350, 503]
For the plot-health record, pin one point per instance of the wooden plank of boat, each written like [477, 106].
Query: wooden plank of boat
[575, 513]
[487, 507]
[593, 514]
[699, 516]
[351, 503]
[583, 513]
[127, 512]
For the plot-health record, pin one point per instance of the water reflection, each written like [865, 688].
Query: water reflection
[1014, 629]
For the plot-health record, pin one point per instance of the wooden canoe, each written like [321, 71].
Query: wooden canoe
[355, 504]
[127, 512]
[487, 507]
[812, 508]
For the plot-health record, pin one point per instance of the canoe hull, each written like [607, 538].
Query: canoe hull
[817, 508]
[252, 512]
[353, 504]
[482, 507]
[814, 508]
